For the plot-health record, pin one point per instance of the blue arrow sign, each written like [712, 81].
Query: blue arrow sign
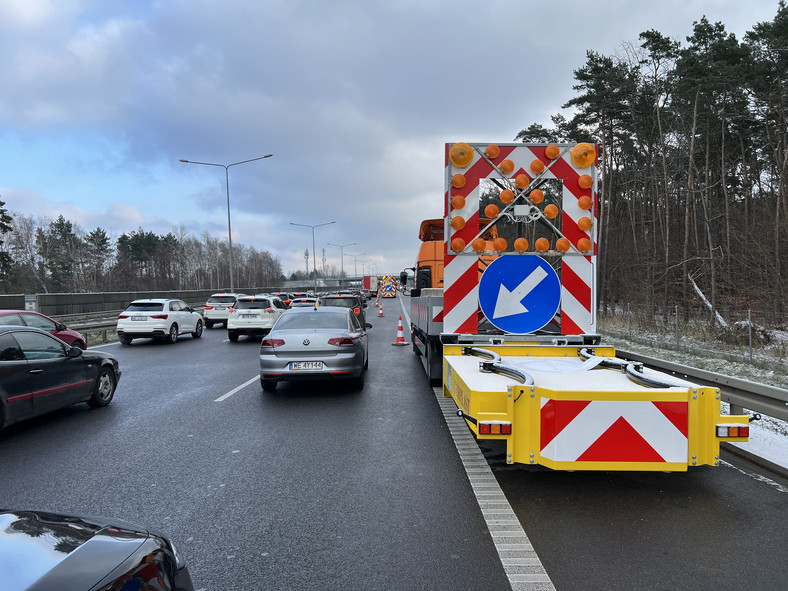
[519, 294]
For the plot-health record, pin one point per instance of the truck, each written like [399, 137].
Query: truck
[369, 283]
[513, 328]
[388, 286]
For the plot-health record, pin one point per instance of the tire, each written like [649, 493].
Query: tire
[366, 361]
[268, 385]
[198, 330]
[172, 336]
[358, 383]
[209, 324]
[104, 389]
[232, 335]
[124, 340]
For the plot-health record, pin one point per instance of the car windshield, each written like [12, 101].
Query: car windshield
[252, 304]
[349, 302]
[312, 321]
[221, 299]
[145, 307]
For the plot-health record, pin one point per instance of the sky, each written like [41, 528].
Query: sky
[355, 99]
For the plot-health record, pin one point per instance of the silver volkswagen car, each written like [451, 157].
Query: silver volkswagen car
[314, 343]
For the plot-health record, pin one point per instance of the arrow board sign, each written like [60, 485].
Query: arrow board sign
[519, 294]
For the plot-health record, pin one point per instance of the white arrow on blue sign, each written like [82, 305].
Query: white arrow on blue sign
[519, 294]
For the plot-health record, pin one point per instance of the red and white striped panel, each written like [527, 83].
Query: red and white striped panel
[614, 431]
[461, 276]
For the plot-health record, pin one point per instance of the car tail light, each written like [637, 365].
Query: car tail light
[271, 343]
[733, 431]
[159, 316]
[123, 316]
[495, 428]
[269, 310]
[208, 307]
[342, 342]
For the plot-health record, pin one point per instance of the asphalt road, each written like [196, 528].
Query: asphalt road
[311, 487]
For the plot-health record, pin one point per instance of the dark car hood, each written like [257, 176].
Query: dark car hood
[50, 551]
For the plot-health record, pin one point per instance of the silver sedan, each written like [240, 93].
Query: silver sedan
[314, 343]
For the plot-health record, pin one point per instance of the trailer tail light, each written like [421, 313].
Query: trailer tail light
[342, 342]
[495, 428]
[271, 343]
[733, 431]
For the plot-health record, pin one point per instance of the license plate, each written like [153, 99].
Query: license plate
[295, 365]
[248, 315]
[220, 307]
[139, 317]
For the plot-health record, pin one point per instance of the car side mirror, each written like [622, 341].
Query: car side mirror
[73, 352]
[415, 292]
[60, 326]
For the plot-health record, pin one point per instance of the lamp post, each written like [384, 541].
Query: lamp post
[342, 255]
[227, 182]
[355, 257]
[314, 260]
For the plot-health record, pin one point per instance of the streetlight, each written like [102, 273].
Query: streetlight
[314, 260]
[355, 257]
[227, 181]
[342, 255]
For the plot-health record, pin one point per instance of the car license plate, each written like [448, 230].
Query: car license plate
[139, 317]
[295, 365]
[248, 315]
[220, 307]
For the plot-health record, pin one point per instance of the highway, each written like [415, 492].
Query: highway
[318, 487]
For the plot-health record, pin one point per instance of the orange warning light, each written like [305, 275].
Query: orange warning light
[457, 222]
[583, 155]
[585, 223]
[585, 202]
[499, 244]
[522, 181]
[458, 245]
[458, 202]
[542, 245]
[458, 181]
[479, 245]
[507, 196]
[521, 245]
[537, 167]
[492, 151]
[491, 211]
[563, 244]
[552, 151]
[584, 245]
[507, 166]
[551, 211]
[461, 155]
[536, 196]
[585, 181]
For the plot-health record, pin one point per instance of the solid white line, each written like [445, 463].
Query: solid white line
[234, 390]
[520, 562]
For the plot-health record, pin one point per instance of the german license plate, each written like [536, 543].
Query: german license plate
[296, 365]
[220, 307]
[248, 315]
[139, 317]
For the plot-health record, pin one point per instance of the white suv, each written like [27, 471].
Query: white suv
[217, 308]
[253, 315]
[158, 318]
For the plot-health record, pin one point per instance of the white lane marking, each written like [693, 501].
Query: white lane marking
[234, 390]
[518, 557]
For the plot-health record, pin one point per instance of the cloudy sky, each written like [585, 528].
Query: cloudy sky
[354, 99]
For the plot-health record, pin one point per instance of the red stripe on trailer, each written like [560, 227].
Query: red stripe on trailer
[557, 414]
[569, 326]
[470, 230]
[570, 229]
[677, 413]
[620, 443]
[576, 286]
[563, 170]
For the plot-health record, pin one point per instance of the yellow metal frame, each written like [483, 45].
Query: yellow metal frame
[521, 405]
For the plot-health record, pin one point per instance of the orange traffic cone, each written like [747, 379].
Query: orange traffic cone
[400, 334]
[380, 312]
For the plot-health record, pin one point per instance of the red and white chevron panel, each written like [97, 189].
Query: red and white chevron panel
[578, 272]
[614, 431]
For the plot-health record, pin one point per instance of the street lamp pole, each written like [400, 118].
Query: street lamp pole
[342, 255]
[355, 257]
[314, 260]
[227, 183]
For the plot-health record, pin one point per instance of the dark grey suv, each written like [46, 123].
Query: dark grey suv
[346, 301]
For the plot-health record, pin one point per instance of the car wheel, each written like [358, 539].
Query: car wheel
[198, 330]
[124, 340]
[209, 324]
[172, 336]
[232, 335]
[104, 389]
[358, 383]
[268, 385]
[366, 362]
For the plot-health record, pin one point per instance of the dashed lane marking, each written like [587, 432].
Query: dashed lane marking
[518, 557]
[234, 390]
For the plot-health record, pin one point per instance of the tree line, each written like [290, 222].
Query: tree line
[693, 138]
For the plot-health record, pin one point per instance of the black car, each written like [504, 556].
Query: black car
[40, 373]
[43, 551]
[345, 300]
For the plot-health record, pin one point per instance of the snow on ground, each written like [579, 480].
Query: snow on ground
[769, 436]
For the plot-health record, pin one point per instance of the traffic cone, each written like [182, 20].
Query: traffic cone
[400, 334]
[380, 312]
